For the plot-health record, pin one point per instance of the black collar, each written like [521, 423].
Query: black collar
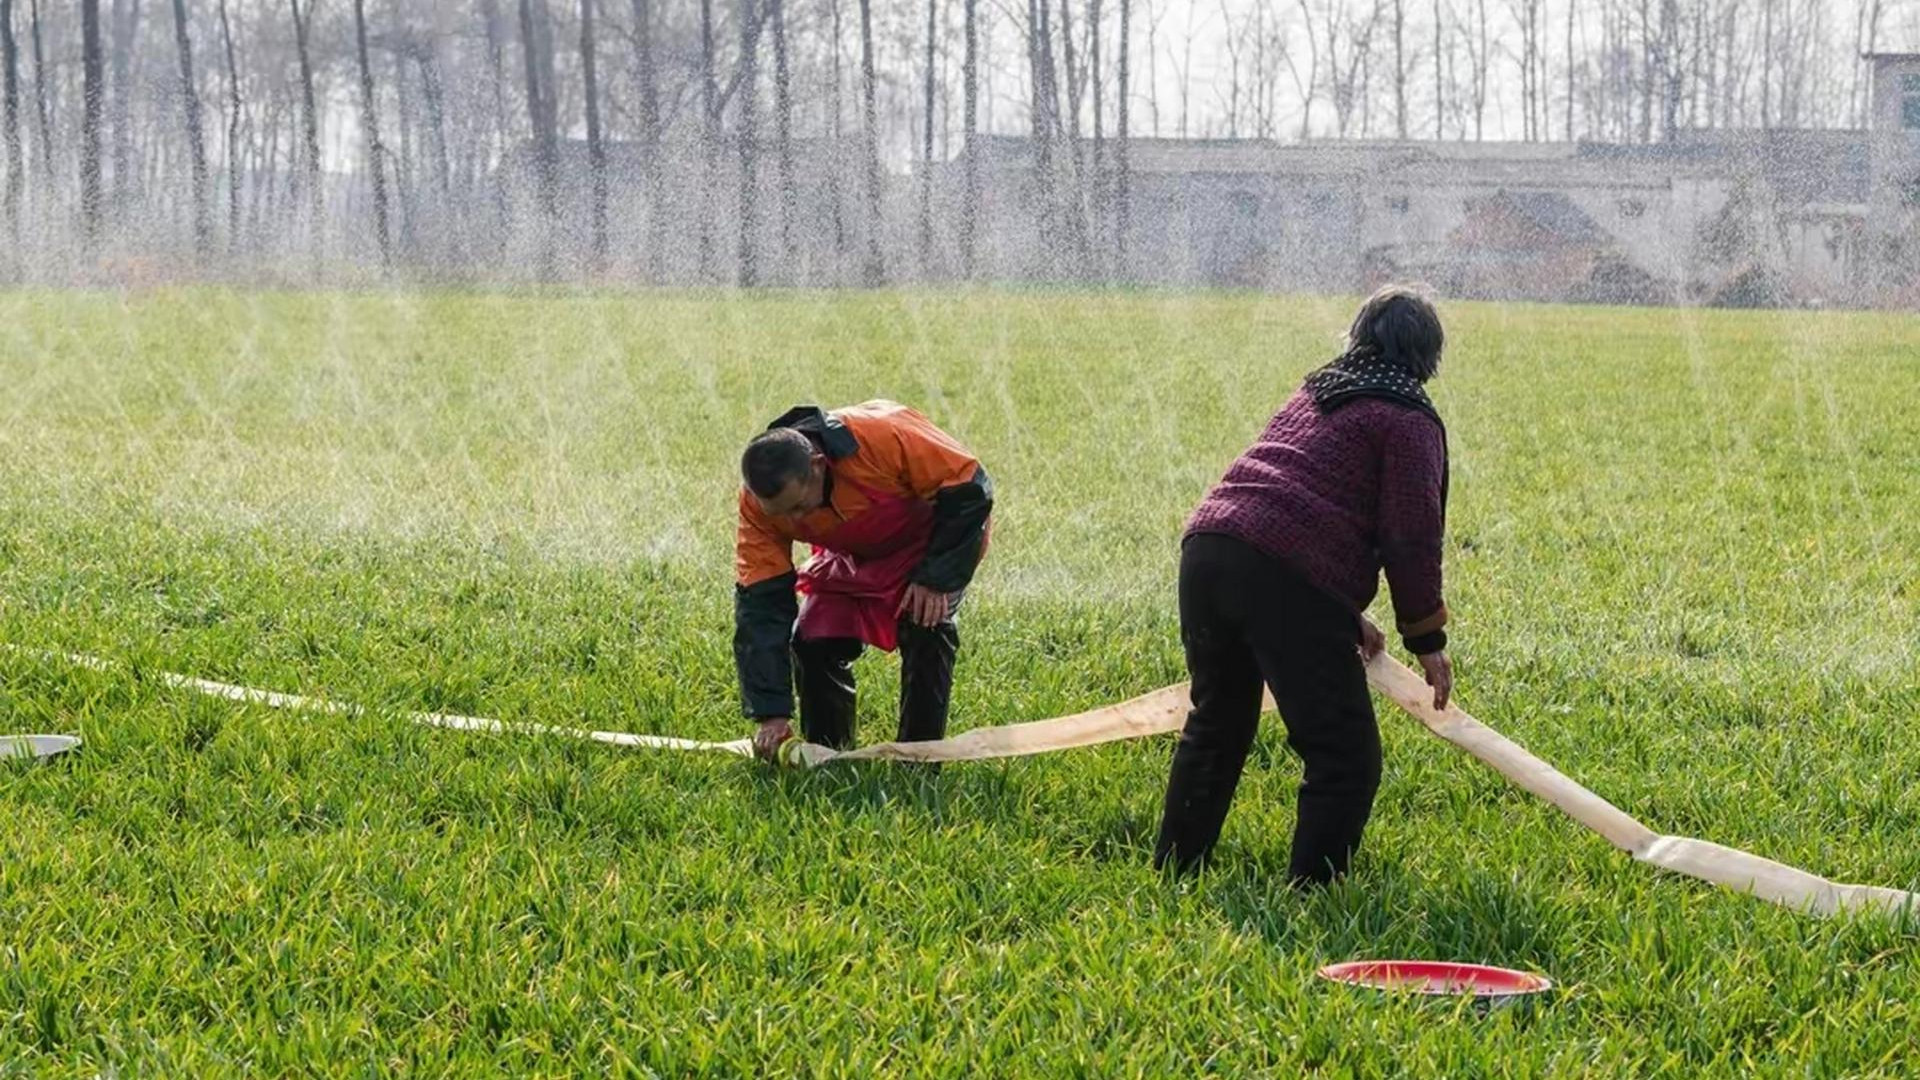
[822, 428]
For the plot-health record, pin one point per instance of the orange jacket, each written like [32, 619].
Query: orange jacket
[879, 445]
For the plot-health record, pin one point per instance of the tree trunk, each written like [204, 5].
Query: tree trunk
[310, 121]
[436, 95]
[1480, 59]
[1400, 68]
[969, 121]
[1439, 55]
[92, 78]
[1099, 178]
[709, 137]
[1039, 50]
[1570, 69]
[596, 148]
[540, 113]
[650, 138]
[502, 123]
[875, 270]
[1766, 64]
[10, 122]
[1671, 67]
[926, 153]
[370, 131]
[233, 132]
[126, 20]
[42, 100]
[783, 133]
[749, 269]
[1076, 224]
[196, 139]
[833, 168]
[1123, 219]
[403, 169]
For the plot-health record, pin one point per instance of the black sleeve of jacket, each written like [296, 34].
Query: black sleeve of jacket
[763, 615]
[959, 524]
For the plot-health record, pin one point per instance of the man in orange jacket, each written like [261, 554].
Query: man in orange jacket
[896, 511]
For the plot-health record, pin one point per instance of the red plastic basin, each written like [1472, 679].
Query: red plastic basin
[1436, 977]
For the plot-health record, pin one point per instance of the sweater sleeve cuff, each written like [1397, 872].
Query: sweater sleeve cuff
[1423, 644]
[1418, 627]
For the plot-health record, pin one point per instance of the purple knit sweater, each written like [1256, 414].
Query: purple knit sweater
[1340, 496]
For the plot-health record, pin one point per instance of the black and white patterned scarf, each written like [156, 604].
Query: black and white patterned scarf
[1361, 374]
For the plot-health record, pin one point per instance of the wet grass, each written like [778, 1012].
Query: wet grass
[1682, 563]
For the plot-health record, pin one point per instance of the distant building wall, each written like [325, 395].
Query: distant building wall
[1811, 215]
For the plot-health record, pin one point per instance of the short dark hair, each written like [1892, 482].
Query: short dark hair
[775, 459]
[1398, 324]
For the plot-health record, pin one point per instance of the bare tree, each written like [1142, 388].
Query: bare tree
[1766, 63]
[543, 116]
[93, 76]
[596, 148]
[1309, 86]
[834, 198]
[1526, 14]
[783, 133]
[1123, 212]
[309, 118]
[1479, 59]
[709, 135]
[656, 174]
[970, 117]
[1346, 76]
[1039, 62]
[1075, 219]
[875, 266]
[926, 155]
[42, 98]
[1672, 66]
[1439, 61]
[233, 131]
[1099, 182]
[126, 20]
[1866, 39]
[196, 139]
[1400, 68]
[10, 121]
[370, 131]
[426, 55]
[1572, 66]
[403, 167]
[749, 153]
[496, 35]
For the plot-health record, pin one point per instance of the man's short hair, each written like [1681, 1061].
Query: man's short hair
[775, 459]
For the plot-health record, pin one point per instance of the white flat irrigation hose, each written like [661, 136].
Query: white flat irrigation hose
[1165, 711]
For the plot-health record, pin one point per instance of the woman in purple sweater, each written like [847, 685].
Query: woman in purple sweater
[1278, 564]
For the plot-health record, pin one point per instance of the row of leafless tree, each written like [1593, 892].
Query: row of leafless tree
[432, 132]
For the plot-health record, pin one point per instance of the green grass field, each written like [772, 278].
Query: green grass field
[1682, 561]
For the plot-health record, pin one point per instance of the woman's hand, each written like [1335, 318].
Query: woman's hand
[1371, 639]
[1439, 671]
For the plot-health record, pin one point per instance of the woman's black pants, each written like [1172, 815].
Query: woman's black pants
[1247, 619]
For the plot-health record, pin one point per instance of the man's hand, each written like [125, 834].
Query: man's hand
[1439, 671]
[767, 738]
[1371, 639]
[925, 606]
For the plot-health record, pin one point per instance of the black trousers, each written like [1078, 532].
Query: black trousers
[823, 675]
[1246, 619]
